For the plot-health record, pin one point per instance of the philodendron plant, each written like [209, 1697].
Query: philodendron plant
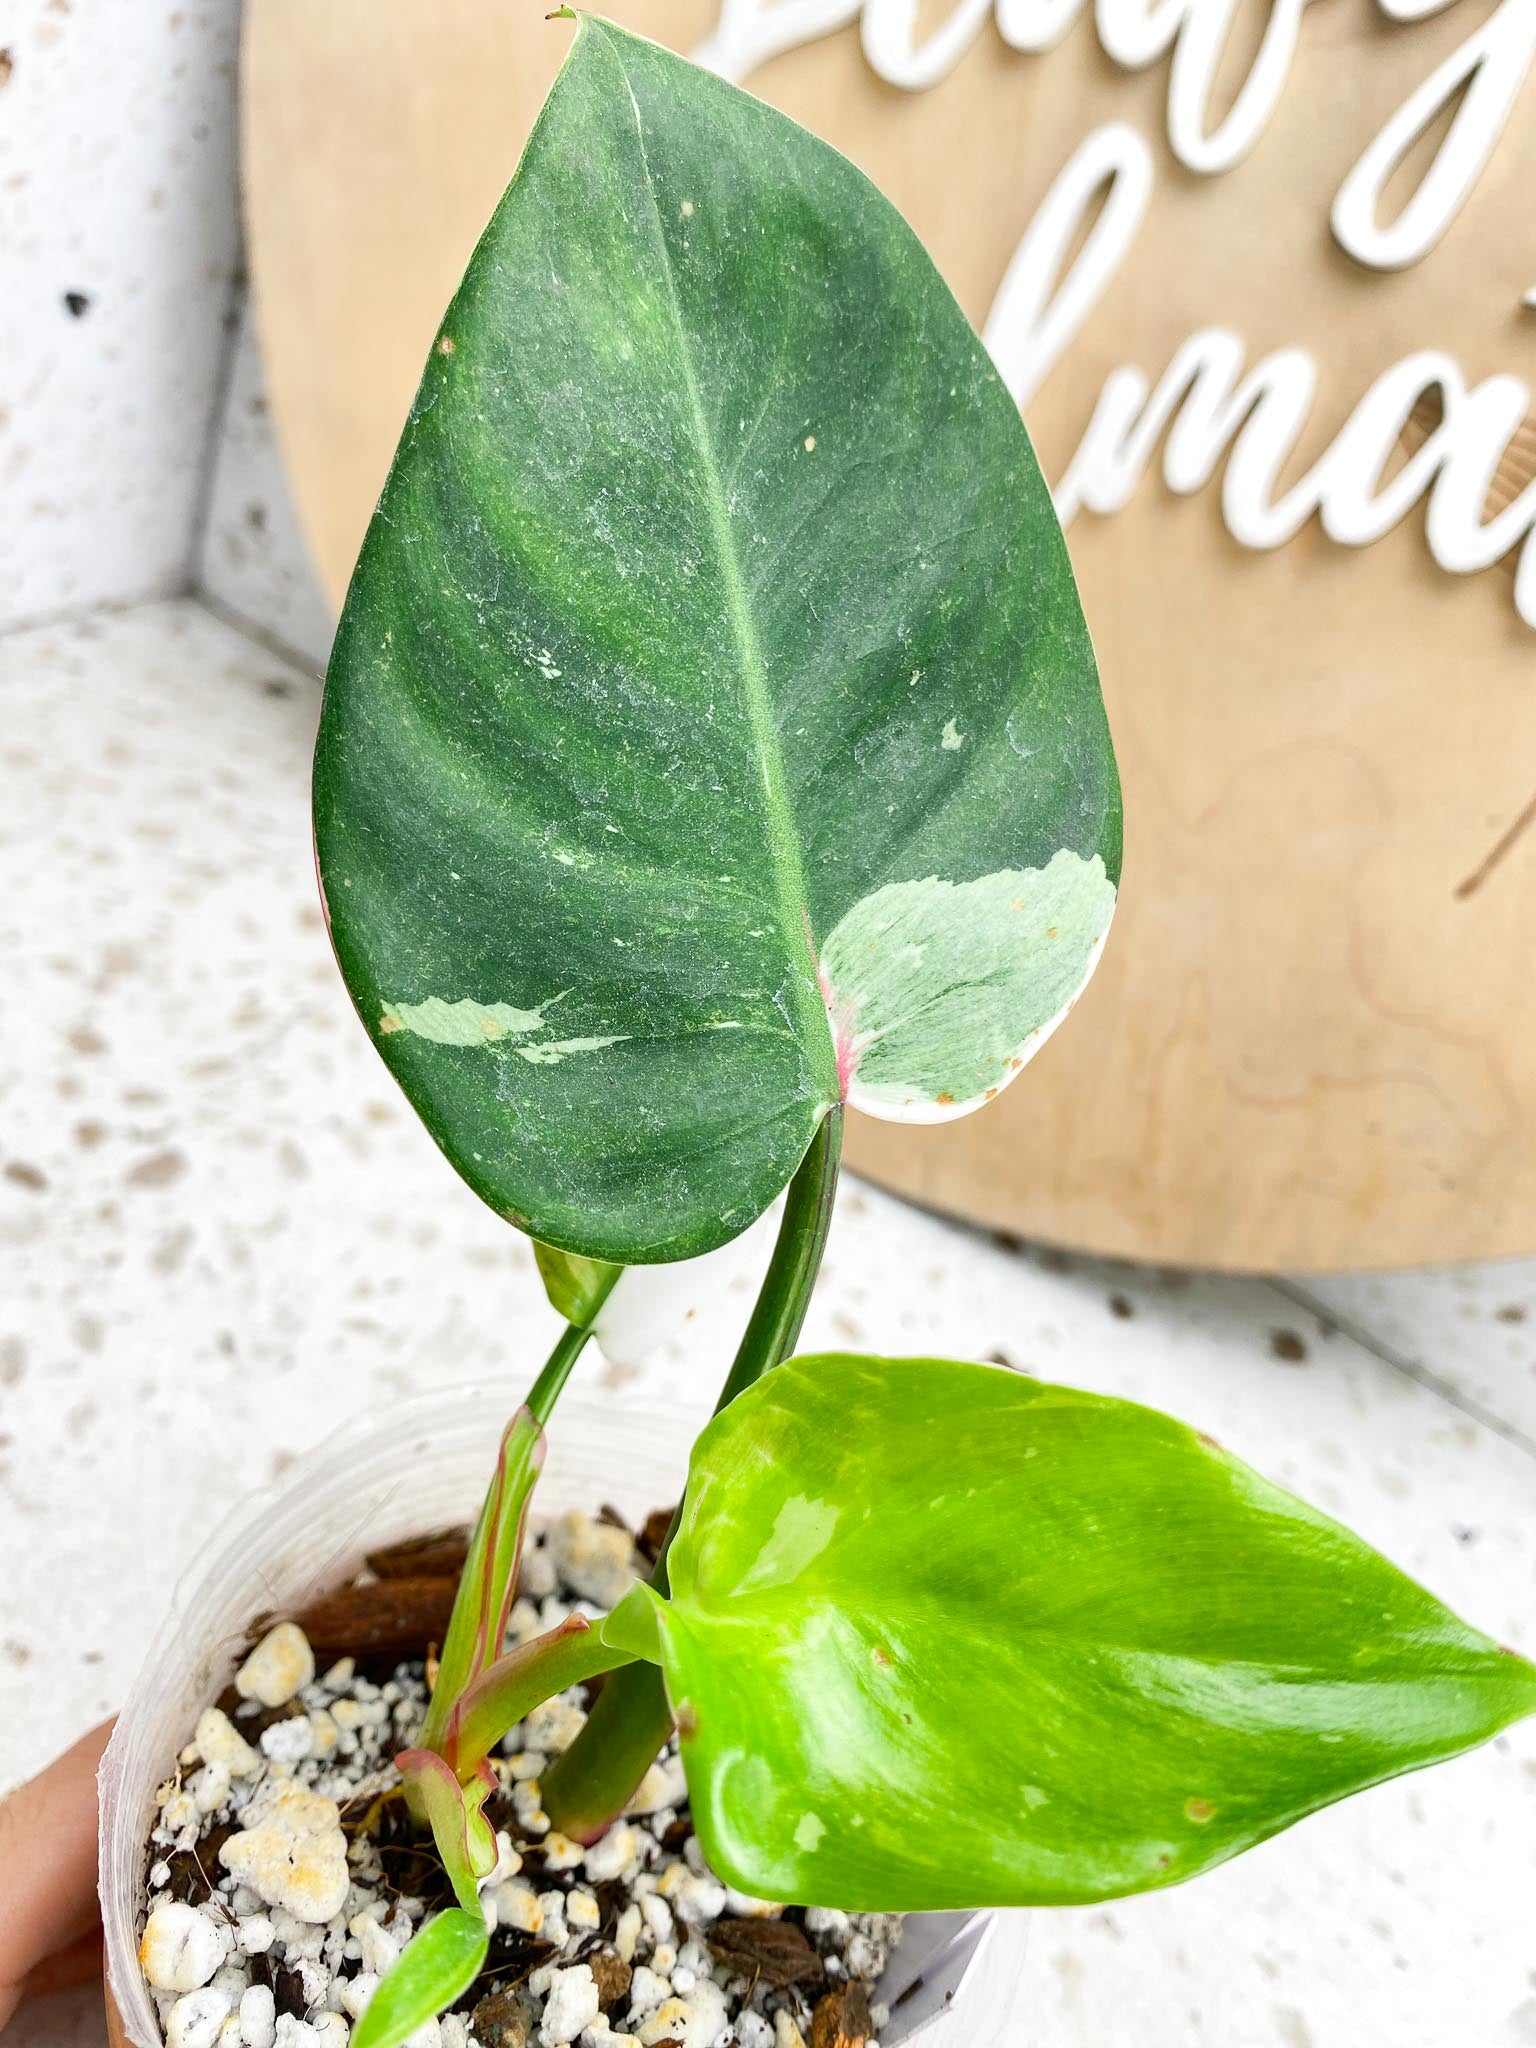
[713, 741]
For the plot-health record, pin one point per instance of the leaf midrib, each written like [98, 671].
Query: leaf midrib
[1469, 1665]
[792, 903]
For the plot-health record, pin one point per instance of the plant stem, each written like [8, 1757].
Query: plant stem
[630, 1719]
[547, 1388]
[485, 1586]
[518, 1682]
[589, 1786]
[779, 1315]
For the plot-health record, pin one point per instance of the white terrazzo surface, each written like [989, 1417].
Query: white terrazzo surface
[119, 247]
[220, 1230]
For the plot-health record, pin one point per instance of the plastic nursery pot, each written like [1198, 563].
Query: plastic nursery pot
[954, 1977]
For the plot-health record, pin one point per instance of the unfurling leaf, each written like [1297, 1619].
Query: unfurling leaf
[712, 733]
[1084, 1652]
[652, 1305]
[634, 1309]
[437, 1966]
[465, 1839]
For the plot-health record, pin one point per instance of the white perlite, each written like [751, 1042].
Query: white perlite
[281, 1664]
[219, 1743]
[180, 1949]
[663, 1785]
[612, 1854]
[698, 2018]
[258, 2018]
[194, 2021]
[595, 1559]
[571, 2004]
[325, 2030]
[295, 1854]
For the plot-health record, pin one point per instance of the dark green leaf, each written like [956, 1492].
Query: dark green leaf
[712, 731]
[939, 1635]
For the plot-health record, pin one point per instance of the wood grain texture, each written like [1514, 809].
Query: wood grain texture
[1310, 1044]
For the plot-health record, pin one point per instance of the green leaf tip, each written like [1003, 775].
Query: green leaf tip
[1086, 1653]
[714, 645]
[576, 1287]
[436, 1967]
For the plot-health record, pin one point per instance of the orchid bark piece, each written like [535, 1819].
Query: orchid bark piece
[712, 734]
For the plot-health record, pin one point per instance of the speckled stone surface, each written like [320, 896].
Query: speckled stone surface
[1469, 1329]
[222, 1231]
[119, 245]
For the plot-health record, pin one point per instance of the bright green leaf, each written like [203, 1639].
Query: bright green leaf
[712, 732]
[939, 1635]
[437, 1966]
[633, 1625]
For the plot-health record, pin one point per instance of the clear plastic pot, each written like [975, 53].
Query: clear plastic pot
[425, 1467]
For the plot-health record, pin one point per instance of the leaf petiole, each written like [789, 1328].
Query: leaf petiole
[477, 1626]
[518, 1682]
[549, 1385]
[779, 1313]
[630, 1719]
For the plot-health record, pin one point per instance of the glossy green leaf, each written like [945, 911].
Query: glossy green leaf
[939, 1636]
[437, 1966]
[712, 732]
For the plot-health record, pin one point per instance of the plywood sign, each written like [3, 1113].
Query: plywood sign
[1263, 277]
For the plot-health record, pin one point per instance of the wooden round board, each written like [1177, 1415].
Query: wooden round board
[1311, 1042]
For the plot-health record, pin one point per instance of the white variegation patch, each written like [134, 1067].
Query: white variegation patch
[939, 992]
[548, 1052]
[470, 1023]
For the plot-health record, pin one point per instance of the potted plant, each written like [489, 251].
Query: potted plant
[712, 740]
